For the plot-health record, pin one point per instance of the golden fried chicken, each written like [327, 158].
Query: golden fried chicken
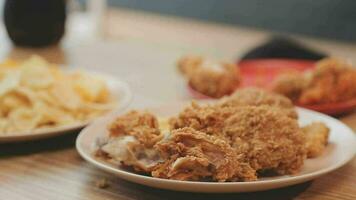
[266, 137]
[208, 118]
[131, 140]
[331, 81]
[290, 85]
[234, 139]
[187, 64]
[211, 79]
[258, 97]
[317, 135]
[142, 125]
[194, 155]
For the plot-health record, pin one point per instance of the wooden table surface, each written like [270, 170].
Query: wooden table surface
[134, 47]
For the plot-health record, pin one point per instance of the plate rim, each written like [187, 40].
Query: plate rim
[60, 130]
[286, 181]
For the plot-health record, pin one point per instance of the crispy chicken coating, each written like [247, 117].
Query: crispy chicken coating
[266, 137]
[194, 155]
[211, 79]
[208, 118]
[331, 81]
[142, 125]
[317, 135]
[258, 97]
[269, 139]
[234, 139]
[290, 85]
[188, 64]
[131, 140]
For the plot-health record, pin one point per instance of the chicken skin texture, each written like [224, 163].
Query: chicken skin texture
[290, 85]
[266, 137]
[142, 125]
[239, 138]
[211, 79]
[331, 81]
[317, 135]
[258, 97]
[193, 155]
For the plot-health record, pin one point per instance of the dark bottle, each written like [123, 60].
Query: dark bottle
[35, 23]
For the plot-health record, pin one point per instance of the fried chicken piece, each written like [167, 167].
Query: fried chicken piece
[257, 97]
[317, 135]
[194, 155]
[142, 125]
[266, 137]
[131, 140]
[187, 64]
[211, 79]
[290, 85]
[208, 118]
[331, 81]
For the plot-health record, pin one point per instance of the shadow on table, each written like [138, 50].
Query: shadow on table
[135, 191]
[276, 194]
[50, 144]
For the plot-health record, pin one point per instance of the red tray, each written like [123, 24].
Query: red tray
[262, 72]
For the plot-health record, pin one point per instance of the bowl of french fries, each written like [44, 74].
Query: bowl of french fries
[39, 99]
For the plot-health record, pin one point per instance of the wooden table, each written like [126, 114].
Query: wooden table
[137, 46]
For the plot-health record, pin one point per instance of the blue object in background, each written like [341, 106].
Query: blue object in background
[323, 18]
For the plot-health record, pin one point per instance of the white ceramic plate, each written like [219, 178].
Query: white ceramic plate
[118, 89]
[340, 150]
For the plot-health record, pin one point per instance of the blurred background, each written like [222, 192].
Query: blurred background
[133, 39]
[325, 19]
[227, 21]
[320, 18]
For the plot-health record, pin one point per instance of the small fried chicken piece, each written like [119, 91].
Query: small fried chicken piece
[317, 135]
[331, 81]
[193, 155]
[131, 140]
[290, 85]
[266, 137]
[187, 64]
[211, 79]
[142, 125]
[206, 118]
[257, 97]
